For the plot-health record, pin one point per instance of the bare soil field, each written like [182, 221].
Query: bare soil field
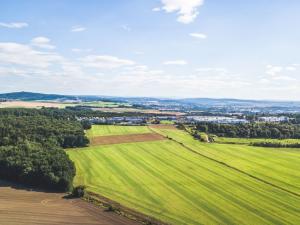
[19, 206]
[30, 104]
[118, 139]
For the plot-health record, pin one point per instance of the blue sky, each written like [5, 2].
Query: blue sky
[171, 48]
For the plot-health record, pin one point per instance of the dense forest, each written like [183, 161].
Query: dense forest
[252, 130]
[31, 146]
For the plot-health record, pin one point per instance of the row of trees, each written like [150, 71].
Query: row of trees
[31, 146]
[276, 144]
[252, 130]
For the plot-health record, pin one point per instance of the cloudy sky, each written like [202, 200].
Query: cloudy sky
[246, 49]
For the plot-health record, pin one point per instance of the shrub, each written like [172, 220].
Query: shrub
[78, 191]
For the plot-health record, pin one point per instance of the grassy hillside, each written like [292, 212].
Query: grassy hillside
[99, 130]
[280, 166]
[169, 182]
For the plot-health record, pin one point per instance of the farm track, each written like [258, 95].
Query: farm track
[119, 139]
[232, 167]
[19, 206]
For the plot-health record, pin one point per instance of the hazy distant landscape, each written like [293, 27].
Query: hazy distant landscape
[157, 112]
[156, 160]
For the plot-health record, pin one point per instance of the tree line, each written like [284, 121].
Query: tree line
[252, 130]
[31, 146]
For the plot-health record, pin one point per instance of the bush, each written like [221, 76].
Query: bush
[110, 208]
[78, 191]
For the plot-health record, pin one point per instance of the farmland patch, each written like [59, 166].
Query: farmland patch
[118, 139]
[19, 206]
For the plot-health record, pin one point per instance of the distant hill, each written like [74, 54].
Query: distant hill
[30, 96]
[170, 103]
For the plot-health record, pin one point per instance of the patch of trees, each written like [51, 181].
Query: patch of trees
[252, 130]
[276, 144]
[31, 146]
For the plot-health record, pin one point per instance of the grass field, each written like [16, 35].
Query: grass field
[105, 104]
[167, 122]
[166, 180]
[248, 141]
[99, 130]
[280, 166]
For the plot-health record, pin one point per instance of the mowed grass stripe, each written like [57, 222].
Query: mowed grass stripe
[108, 130]
[188, 189]
[139, 164]
[241, 203]
[277, 166]
[176, 190]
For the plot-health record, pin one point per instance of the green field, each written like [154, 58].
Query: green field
[105, 104]
[280, 166]
[166, 180]
[167, 122]
[99, 130]
[249, 141]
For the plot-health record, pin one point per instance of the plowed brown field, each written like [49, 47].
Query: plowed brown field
[25, 207]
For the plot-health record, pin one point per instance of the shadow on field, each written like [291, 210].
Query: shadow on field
[17, 186]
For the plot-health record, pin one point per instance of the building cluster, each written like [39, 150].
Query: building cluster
[216, 119]
[273, 119]
[132, 120]
[138, 120]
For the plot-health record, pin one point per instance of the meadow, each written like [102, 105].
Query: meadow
[249, 141]
[105, 104]
[166, 180]
[116, 130]
[279, 166]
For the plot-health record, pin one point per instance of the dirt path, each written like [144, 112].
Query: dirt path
[19, 206]
[128, 138]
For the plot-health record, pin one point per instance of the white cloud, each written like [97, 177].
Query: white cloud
[137, 68]
[284, 78]
[105, 61]
[279, 70]
[19, 54]
[156, 9]
[80, 50]
[78, 28]
[198, 35]
[187, 10]
[176, 62]
[16, 25]
[140, 70]
[273, 70]
[42, 42]
[264, 81]
[290, 68]
[212, 69]
[276, 76]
